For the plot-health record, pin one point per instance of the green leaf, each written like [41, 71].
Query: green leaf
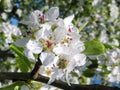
[22, 64]
[17, 50]
[108, 46]
[89, 72]
[94, 47]
[2, 39]
[4, 4]
[22, 60]
[74, 74]
[94, 64]
[36, 85]
[82, 26]
[14, 86]
[26, 2]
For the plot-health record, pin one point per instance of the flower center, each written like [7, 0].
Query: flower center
[42, 17]
[48, 43]
[62, 63]
[69, 29]
[48, 72]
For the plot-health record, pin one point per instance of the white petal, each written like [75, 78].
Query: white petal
[24, 87]
[67, 79]
[58, 50]
[69, 69]
[68, 20]
[32, 21]
[115, 70]
[29, 55]
[15, 30]
[43, 34]
[53, 13]
[21, 42]
[34, 46]
[59, 34]
[60, 22]
[80, 59]
[78, 46]
[47, 58]
[53, 77]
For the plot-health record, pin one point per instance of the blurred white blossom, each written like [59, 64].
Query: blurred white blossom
[114, 76]
[24, 87]
[8, 5]
[4, 16]
[9, 31]
[114, 10]
[19, 12]
[113, 56]
[96, 2]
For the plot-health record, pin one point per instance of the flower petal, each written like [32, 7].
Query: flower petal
[80, 59]
[47, 58]
[21, 42]
[34, 46]
[29, 55]
[53, 13]
[68, 20]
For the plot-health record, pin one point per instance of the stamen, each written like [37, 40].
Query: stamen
[48, 43]
[62, 42]
[53, 65]
[42, 18]
[70, 38]
[39, 14]
[69, 30]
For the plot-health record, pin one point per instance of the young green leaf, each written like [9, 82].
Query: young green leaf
[17, 50]
[21, 59]
[22, 64]
[14, 86]
[89, 72]
[82, 26]
[94, 47]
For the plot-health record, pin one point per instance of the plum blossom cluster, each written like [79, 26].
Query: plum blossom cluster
[56, 40]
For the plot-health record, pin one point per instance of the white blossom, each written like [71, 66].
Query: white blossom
[52, 13]
[96, 2]
[114, 10]
[33, 19]
[9, 30]
[21, 42]
[113, 56]
[103, 37]
[19, 12]
[24, 87]
[8, 4]
[47, 58]
[114, 76]
[32, 47]
[57, 41]
[4, 16]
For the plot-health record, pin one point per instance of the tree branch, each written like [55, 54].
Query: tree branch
[27, 76]
[56, 83]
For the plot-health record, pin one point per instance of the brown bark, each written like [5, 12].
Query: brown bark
[27, 76]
